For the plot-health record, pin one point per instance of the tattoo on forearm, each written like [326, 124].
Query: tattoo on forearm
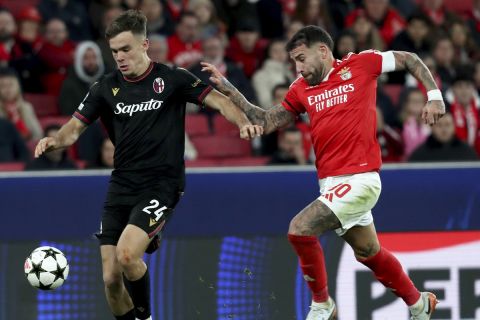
[420, 71]
[270, 120]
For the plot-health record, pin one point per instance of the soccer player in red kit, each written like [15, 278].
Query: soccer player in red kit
[340, 99]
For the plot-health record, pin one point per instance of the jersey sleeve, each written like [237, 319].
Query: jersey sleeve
[377, 62]
[89, 109]
[191, 88]
[292, 103]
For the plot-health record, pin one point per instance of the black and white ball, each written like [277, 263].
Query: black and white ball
[46, 268]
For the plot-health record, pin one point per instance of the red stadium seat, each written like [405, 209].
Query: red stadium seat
[196, 125]
[221, 146]
[224, 127]
[244, 161]
[201, 163]
[43, 104]
[12, 166]
[17, 5]
[460, 7]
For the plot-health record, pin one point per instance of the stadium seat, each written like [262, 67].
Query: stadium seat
[460, 7]
[217, 146]
[196, 125]
[244, 161]
[17, 5]
[224, 127]
[201, 163]
[43, 104]
[12, 166]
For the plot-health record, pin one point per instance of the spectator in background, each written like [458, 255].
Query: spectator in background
[275, 70]
[14, 108]
[464, 46]
[415, 36]
[12, 146]
[72, 12]
[267, 144]
[208, 22]
[8, 28]
[214, 53]
[389, 139]
[159, 20]
[105, 156]
[474, 22]
[54, 160]
[414, 131]
[437, 12]
[293, 27]
[158, 49]
[464, 106]
[346, 42]
[108, 16]
[443, 145]
[314, 12]
[87, 68]
[24, 55]
[388, 21]
[290, 148]
[367, 35]
[246, 47]
[56, 55]
[443, 53]
[476, 76]
[184, 48]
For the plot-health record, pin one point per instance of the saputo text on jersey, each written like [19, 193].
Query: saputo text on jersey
[130, 109]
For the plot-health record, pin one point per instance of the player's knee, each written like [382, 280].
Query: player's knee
[125, 257]
[112, 279]
[366, 251]
[297, 227]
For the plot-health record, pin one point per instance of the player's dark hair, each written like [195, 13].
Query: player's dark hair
[309, 35]
[131, 20]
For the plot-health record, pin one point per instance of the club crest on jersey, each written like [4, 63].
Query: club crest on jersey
[158, 85]
[345, 73]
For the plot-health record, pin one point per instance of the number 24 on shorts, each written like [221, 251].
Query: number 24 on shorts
[339, 191]
[157, 213]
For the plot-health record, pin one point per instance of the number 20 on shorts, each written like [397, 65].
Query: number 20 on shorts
[338, 191]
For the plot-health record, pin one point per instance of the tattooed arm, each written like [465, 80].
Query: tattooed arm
[271, 119]
[435, 107]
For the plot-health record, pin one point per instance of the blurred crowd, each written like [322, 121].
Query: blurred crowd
[56, 49]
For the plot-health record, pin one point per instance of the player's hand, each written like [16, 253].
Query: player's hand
[216, 76]
[250, 131]
[44, 145]
[433, 111]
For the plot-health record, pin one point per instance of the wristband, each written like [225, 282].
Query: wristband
[434, 94]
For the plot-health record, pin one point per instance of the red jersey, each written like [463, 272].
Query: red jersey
[342, 111]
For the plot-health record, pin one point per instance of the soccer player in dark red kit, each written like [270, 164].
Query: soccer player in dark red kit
[142, 105]
[340, 99]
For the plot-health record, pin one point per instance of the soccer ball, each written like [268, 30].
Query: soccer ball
[46, 268]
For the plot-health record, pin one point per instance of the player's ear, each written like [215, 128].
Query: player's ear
[146, 44]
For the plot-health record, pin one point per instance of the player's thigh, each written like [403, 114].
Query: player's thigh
[132, 243]
[351, 198]
[112, 272]
[115, 216]
[153, 210]
[314, 219]
[363, 240]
